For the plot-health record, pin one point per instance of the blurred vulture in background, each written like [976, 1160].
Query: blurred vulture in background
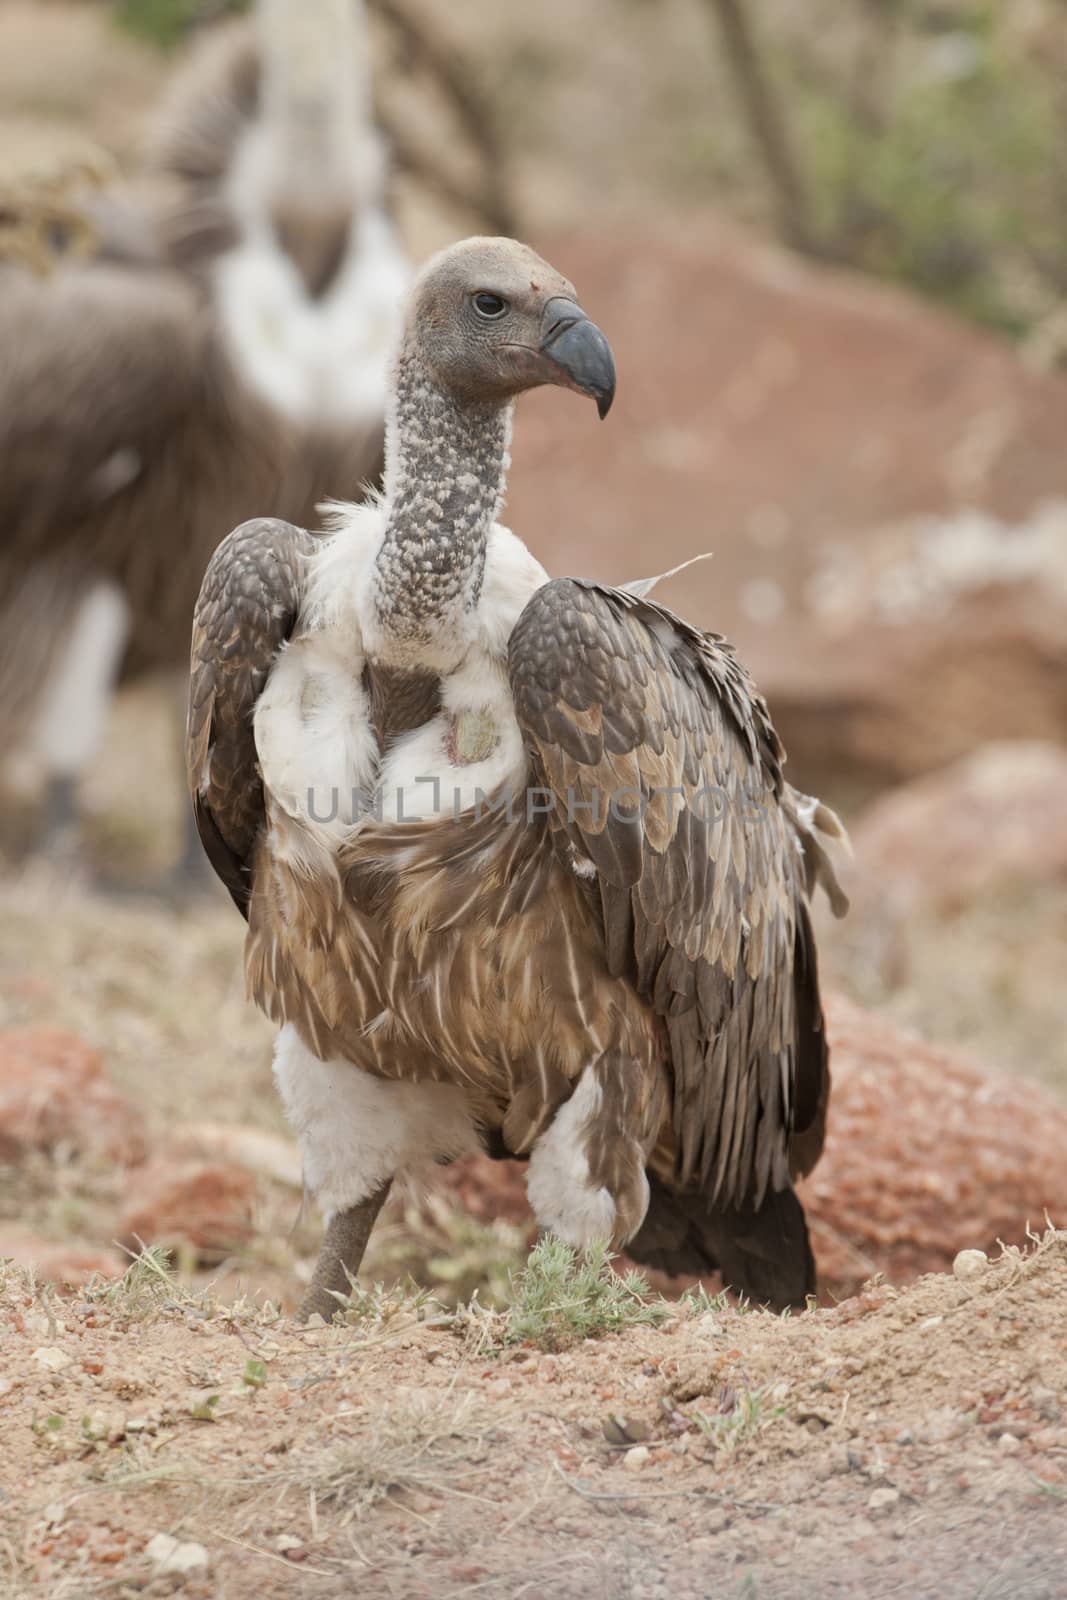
[223, 354]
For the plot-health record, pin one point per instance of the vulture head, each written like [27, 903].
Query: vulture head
[490, 320]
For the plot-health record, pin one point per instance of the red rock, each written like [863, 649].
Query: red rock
[959, 908]
[207, 1205]
[998, 816]
[803, 423]
[268, 1155]
[927, 1153]
[54, 1090]
[68, 1265]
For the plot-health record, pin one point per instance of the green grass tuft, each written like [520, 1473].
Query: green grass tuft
[561, 1296]
[148, 1281]
[382, 1306]
[741, 1417]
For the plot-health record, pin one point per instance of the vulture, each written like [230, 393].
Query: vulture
[224, 357]
[519, 865]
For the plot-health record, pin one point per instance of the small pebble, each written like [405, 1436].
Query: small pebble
[635, 1459]
[970, 1264]
[882, 1499]
[52, 1358]
[1008, 1444]
[170, 1556]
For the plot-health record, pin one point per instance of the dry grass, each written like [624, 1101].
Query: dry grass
[422, 1444]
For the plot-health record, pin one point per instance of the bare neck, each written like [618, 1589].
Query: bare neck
[316, 96]
[447, 464]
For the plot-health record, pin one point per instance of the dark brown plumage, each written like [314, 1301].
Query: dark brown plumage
[699, 873]
[246, 611]
[606, 959]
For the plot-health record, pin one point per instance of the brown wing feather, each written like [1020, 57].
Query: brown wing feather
[701, 872]
[247, 607]
[98, 362]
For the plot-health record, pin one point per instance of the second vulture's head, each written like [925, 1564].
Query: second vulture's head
[490, 319]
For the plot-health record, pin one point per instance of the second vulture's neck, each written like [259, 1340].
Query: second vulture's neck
[447, 461]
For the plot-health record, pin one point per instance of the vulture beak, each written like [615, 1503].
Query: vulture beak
[579, 352]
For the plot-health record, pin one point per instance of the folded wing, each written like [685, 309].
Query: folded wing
[248, 604]
[666, 774]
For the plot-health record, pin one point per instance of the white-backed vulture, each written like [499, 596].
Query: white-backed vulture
[145, 407]
[520, 868]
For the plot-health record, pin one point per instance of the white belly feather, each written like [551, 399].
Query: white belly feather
[317, 750]
[324, 360]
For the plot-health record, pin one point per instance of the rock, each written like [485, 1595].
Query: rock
[926, 1154]
[959, 907]
[966, 601]
[970, 1264]
[268, 1155]
[636, 1458]
[1045, 1401]
[171, 1556]
[51, 1358]
[68, 1265]
[883, 1499]
[619, 1430]
[997, 816]
[852, 569]
[203, 1204]
[54, 1091]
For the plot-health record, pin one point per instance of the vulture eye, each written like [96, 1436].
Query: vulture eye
[489, 305]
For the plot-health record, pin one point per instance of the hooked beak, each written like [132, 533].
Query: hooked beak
[577, 348]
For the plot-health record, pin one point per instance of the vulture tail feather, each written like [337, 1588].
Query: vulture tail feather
[763, 1253]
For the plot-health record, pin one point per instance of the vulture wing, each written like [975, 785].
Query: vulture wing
[248, 605]
[100, 366]
[666, 775]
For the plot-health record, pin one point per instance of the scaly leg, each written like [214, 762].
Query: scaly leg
[340, 1255]
[72, 712]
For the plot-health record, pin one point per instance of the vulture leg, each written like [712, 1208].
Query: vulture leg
[343, 1246]
[356, 1133]
[60, 815]
[72, 713]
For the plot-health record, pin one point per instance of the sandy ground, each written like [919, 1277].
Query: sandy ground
[901, 1444]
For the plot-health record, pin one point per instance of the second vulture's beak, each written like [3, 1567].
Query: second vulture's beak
[579, 350]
